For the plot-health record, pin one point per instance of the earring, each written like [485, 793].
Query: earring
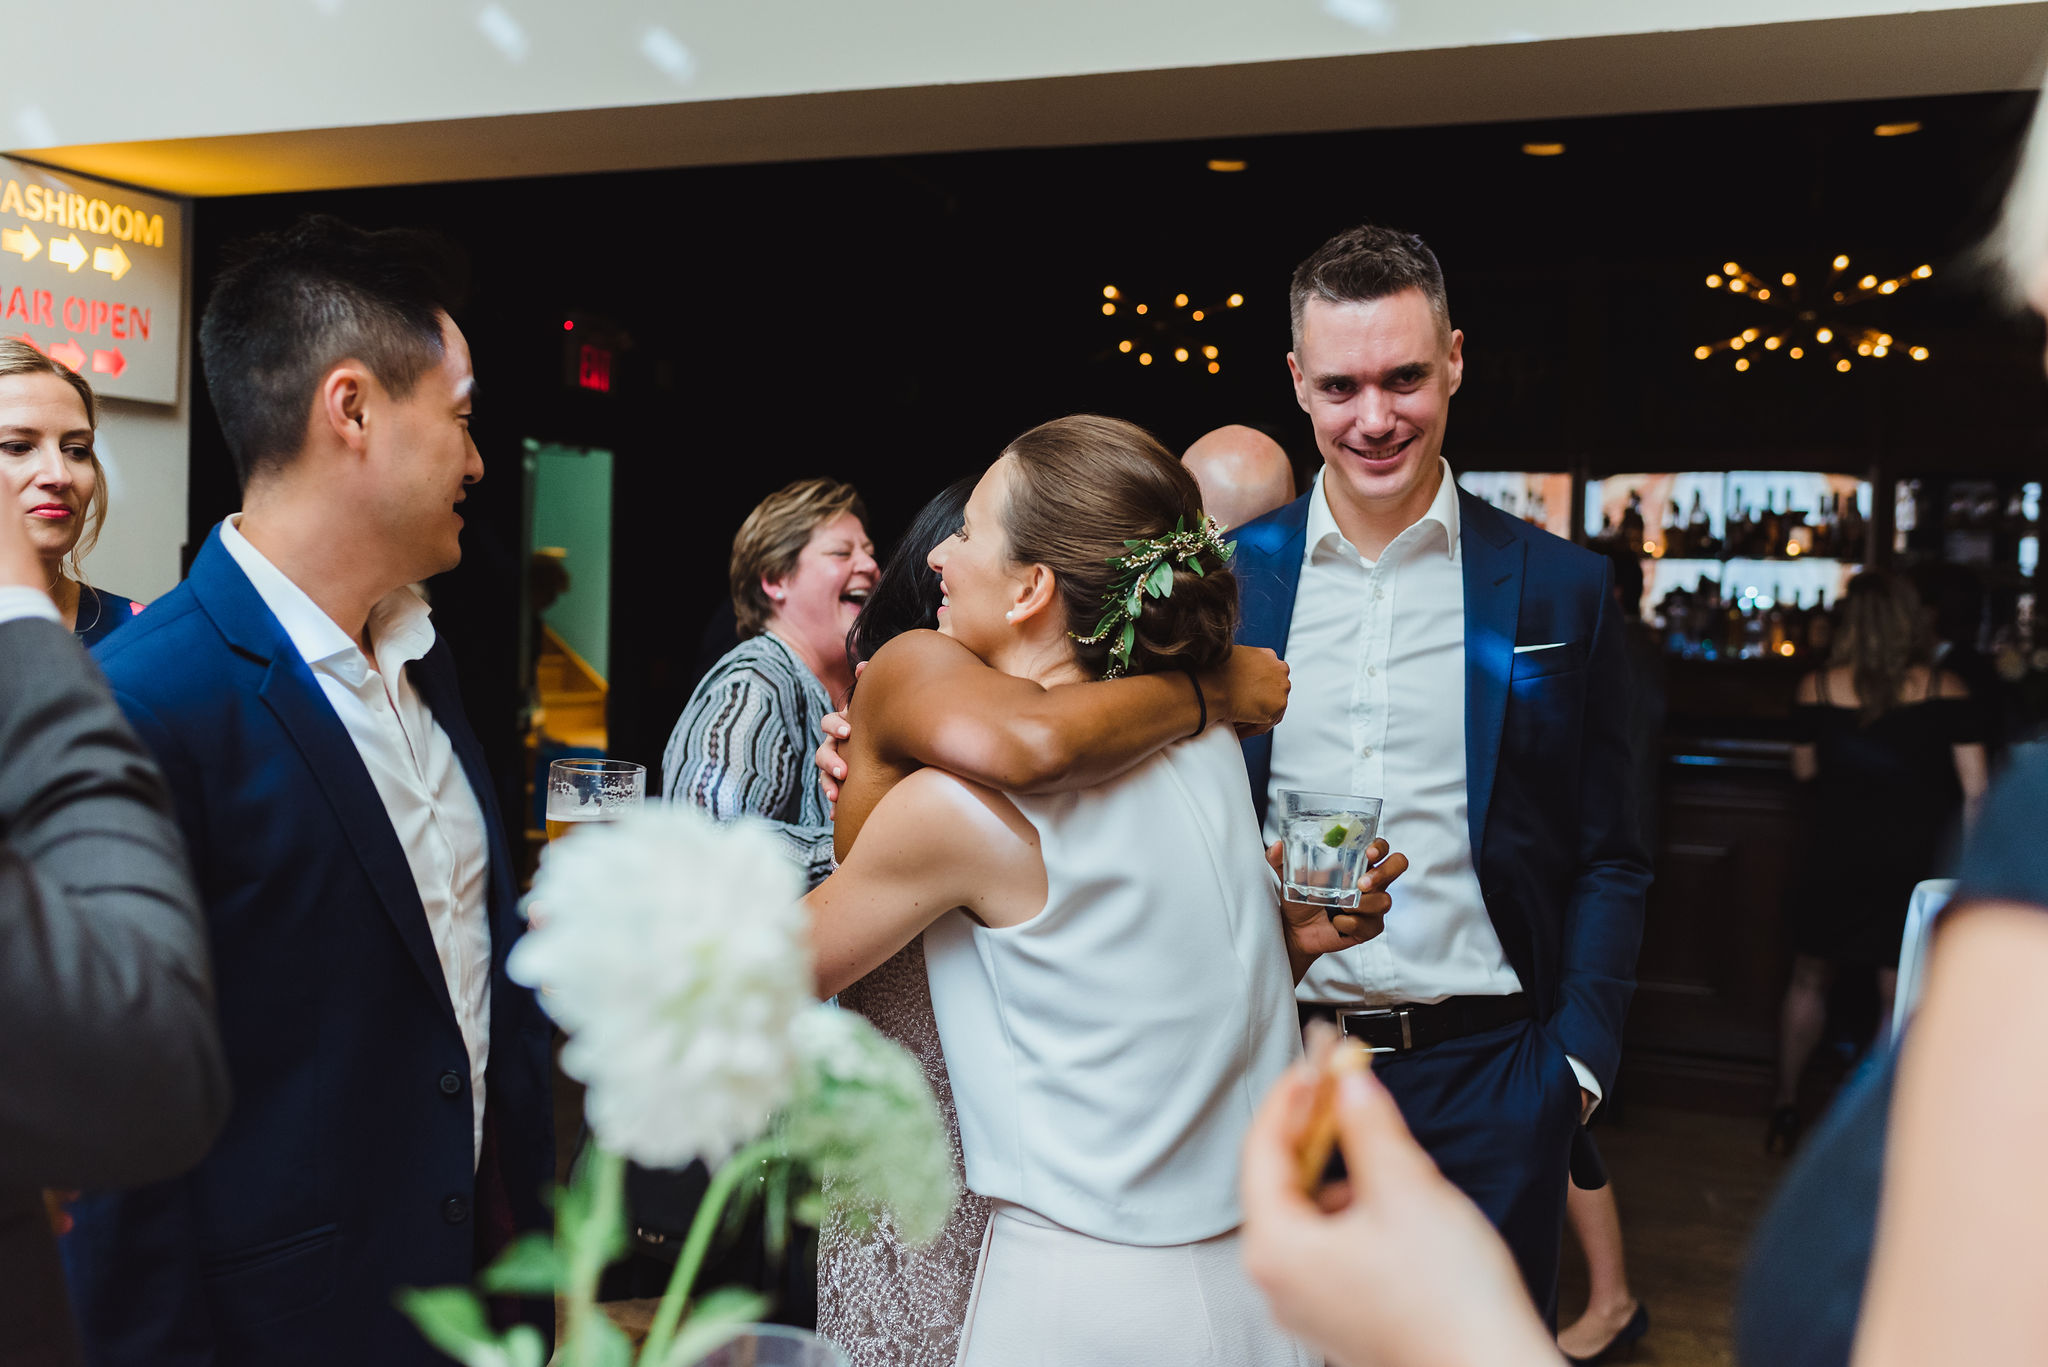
[1010, 616]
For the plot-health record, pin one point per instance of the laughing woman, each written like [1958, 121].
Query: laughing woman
[47, 418]
[802, 565]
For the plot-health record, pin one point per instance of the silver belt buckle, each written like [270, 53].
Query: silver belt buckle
[1399, 1013]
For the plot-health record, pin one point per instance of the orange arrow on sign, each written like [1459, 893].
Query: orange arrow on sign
[112, 260]
[21, 241]
[68, 352]
[69, 253]
[109, 363]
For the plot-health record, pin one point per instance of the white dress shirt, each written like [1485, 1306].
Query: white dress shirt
[1377, 709]
[417, 773]
[19, 600]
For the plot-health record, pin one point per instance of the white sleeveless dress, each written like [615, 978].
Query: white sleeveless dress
[1106, 1057]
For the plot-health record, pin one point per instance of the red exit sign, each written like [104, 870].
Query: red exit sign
[594, 368]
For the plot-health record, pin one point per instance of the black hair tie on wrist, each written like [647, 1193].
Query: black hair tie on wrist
[1200, 701]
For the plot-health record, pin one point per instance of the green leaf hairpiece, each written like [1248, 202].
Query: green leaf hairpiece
[1145, 570]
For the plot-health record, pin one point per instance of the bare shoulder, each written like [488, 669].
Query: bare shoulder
[915, 653]
[1809, 688]
[931, 806]
[1948, 685]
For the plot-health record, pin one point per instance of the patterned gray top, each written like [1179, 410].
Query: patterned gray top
[743, 747]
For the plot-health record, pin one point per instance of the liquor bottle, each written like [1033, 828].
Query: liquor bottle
[1699, 533]
[1849, 533]
[1820, 628]
[1632, 523]
[1738, 526]
[1774, 622]
[1676, 544]
[1771, 531]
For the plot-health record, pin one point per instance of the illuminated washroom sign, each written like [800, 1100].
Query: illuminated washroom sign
[93, 274]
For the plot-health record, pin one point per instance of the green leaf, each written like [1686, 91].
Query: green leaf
[597, 1342]
[530, 1267]
[1160, 582]
[1128, 639]
[452, 1319]
[1195, 564]
[716, 1320]
[524, 1347]
[1135, 603]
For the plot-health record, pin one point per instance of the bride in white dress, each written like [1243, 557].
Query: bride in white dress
[1112, 986]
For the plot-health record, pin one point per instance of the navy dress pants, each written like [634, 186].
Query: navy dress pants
[1497, 1111]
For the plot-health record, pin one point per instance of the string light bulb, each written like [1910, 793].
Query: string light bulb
[1773, 343]
[1124, 346]
[1713, 282]
[1214, 367]
[1824, 335]
[1180, 301]
[1888, 287]
[1795, 353]
[1884, 339]
[1841, 263]
[1737, 343]
[1731, 268]
[1749, 334]
[1180, 353]
[1923, 272]
[1880, 352]
[1867, 282]
[1109, 292]
[1918, 353]
[1196, 315]
[1737, 286]
[1788, 279]
[1234, 300]
[1108, 308]
[1144, 358]
[1742, 364]
[1863, 348]
[1764, 292]
[1141, 308]
[1700, 353]
[1209, 352]
[1842, 365]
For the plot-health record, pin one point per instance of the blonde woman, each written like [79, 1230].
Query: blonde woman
[48, 415]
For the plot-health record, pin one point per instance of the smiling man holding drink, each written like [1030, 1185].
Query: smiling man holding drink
[1467, 669]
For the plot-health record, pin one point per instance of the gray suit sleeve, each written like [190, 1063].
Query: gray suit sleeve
[110, 1064]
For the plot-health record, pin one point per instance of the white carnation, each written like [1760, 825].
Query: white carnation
[675, 953]
[864, 1120]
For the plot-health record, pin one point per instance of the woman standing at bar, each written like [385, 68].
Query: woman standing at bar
[48, 415]
[1888, 751]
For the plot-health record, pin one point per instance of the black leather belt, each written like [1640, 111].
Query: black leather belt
[1402, 1029]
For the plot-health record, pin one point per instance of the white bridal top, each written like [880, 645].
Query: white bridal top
[1106, 1056]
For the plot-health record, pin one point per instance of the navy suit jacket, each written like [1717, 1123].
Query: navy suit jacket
[1549, 777]
[346, 1168]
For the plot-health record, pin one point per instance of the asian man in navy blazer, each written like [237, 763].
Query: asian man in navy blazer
[391, 1123]
[1468, 669]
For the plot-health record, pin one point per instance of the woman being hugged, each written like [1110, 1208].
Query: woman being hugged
[1111, 983]
[48, 415]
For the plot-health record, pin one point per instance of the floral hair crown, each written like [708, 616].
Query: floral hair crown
[1145, 570]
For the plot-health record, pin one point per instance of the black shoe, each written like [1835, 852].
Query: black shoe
[1617, 1347]
[1783, 1134]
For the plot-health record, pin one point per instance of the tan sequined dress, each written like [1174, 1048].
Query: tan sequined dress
[886, 1304]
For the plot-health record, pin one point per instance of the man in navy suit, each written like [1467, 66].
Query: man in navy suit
[391, 1122]
[1468, 669]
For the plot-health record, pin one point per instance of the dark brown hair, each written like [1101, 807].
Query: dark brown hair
[774, 535]
[21, 357]
[1367, 263]
[1881, 635]
[1083, 486]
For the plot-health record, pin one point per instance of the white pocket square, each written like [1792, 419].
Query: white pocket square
[1552, 645]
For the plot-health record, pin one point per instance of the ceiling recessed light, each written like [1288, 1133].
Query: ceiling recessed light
[1227, 164]
[1543, 149]
[1897, 130]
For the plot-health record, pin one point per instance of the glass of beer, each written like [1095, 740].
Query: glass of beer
[586, 790]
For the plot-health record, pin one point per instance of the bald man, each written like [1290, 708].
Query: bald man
[1243, 473]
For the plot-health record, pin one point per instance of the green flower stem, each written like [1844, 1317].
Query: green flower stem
[587, 1257]
[740, 1166]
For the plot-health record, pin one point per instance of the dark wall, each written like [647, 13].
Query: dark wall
[893, 322]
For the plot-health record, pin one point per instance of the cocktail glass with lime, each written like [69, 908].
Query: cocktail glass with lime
[1323, 840]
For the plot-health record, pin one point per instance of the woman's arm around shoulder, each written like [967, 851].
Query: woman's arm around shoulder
[935, 842]
[935, 702]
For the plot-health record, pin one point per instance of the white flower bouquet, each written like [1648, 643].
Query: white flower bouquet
[674, 953]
